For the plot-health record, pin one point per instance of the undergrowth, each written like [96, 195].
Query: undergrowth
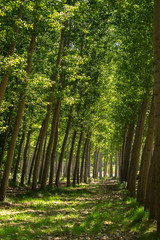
[88, 210]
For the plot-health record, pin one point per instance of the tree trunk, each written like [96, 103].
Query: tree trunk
[153, 192]
[146, 158]
[52, 168]
[111, 166]
[77, 159]
[25, 161]
[127, 153]
[105, 167]
[34, 156]
[136, 150]
[100, 165]
[50, 144]
[94, 165]
[116, 165]
[157, 103]
[19, 155]
[89, 161]
[49, 109]
[122, 158]
[43, 159]
[11, 151]
[71, 158]
[18, 118]
[86, 169]
[6, 134]
[83, 158]
[63, 149]
[149, 186]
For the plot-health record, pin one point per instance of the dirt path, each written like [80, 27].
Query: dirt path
[106, 214]
[100, 210]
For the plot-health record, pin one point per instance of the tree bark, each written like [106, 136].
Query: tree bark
[136, 150]
[34, 156]
[6, 134]
[149, 186]
[49, 109]
[111, 166]
[105, 167]
[19, 155]
[83, 158]
[146, 158]
[71, 158]
[63, 149]
[50, 144]
[25, 161]
[100, 165]
[52, 168]
[87, 156]
[127, 153]
[153, 192]
[43, 159]
[18, 118]
[122, 158]
[11, 151]
[157, 103]
[116, 165]
[77, 159]
[89, 161]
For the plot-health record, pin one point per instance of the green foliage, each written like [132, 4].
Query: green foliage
[74, 212]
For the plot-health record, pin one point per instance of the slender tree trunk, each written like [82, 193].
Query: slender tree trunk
[63, 149]
[77, 159]
[146, 158]
[105, 167]
[43, 159]
[136, 150]
[149, 186]
[122, 158]
[5, 77]
[6, 134]
[50, 145]
[86, 169]
[153, 192]
[49, 109]
[97, 165]
[111, 166]
[11, 152]
[127, 153]
[19, 155]
[100, 165]
[116, 165]
[71, 158]
[25, 161]
[18, 118]
[83, 158]
[52, 168]
[94, 165]
[89, 161]
[157, 104]
[34, 156]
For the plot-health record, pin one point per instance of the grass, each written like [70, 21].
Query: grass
[72, 212]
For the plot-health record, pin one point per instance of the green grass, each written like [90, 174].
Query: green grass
[86, 210]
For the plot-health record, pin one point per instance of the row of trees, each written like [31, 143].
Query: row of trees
[51, 86]
[77, 92]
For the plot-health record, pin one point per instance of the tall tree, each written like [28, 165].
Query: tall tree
[157, 103]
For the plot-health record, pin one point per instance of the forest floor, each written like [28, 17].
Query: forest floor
[101, 210]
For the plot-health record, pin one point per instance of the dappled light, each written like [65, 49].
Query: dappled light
[79, 119]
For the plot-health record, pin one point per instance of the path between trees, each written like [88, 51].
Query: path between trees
[97, 211]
